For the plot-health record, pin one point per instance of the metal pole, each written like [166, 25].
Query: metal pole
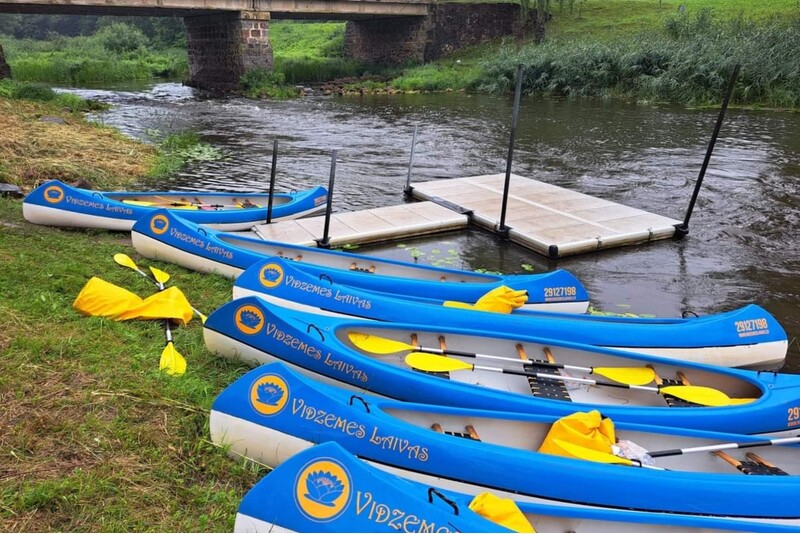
[272, 180]
[407, 189]
[683, 229]
[501, 229]
[325, 242]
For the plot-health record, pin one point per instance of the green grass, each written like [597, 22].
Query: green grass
[87, 60]
[94, 437]
[602, 20]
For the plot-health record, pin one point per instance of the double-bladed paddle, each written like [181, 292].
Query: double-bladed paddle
[702, 395]
[378, 345]
[172, 362]
[159, 276]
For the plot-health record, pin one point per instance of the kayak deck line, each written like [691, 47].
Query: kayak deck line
[366, 226]
[545, 218]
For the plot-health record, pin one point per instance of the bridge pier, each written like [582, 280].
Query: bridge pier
[223, 46]
[5, 70]
[447, 27]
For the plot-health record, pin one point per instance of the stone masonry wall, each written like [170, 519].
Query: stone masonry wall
[5, 70]
[387, 41]
[222, 47]
[448, 27]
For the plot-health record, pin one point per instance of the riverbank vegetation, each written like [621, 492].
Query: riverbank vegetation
[44, 135]
[646, 50]
[117, 52]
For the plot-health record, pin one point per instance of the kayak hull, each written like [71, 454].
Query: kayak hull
[55, 203]
[252, 330]
[391, 436]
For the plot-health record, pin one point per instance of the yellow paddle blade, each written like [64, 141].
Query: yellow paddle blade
[585, 453]
[202, 317]
[635, 376]
[699, 395]
[125, 261]
[742, 401]
[172, 362]
[378, 345]
[184, 207]
[160, 276]
[435, 364]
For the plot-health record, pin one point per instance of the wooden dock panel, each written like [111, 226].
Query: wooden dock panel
[366, 226]
[547, 218]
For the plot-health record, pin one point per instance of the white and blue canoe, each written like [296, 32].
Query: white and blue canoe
[55, 203]
[166, 237]
[270, 414]
[747, 337]
[423, 362]
[325, 488]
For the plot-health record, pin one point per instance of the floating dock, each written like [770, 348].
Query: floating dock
[548, 219]
[366, 226]
[545, 218]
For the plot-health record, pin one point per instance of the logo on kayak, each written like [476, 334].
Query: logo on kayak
[269, 394]
[320, 200]
[249, 319]
[159, 224]
[322, 490]
[271, 275]
[54, 194]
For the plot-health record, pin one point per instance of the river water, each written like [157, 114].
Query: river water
[742, 245]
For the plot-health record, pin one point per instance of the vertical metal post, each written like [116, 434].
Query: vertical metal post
[272, 180]
[407, 189]
[683, 228]
[501, 229]
[325, 242]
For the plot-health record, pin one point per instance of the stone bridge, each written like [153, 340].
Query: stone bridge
[226, 38]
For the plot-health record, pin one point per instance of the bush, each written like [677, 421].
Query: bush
[261, 83]
[120, 38]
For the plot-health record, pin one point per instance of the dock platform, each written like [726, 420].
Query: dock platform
[366, 226]
[548, 219]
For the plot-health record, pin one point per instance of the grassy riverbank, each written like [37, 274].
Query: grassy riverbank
[44, 135]
[640, 49]
[94, 437]
[118, 52]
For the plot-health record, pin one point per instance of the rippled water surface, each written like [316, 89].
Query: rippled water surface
[743, 240]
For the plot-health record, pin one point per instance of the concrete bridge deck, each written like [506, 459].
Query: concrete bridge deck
[322, 9]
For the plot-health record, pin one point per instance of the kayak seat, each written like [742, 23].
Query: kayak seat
[546, 387]
[754, 465]
[440, 374]
[675, 402]
[355, 267]
[469, 432]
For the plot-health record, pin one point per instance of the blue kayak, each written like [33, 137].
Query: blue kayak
[556, 377]
[747, 337]
[183, 243]
[326, 489]
[55, 203]
[270, 414]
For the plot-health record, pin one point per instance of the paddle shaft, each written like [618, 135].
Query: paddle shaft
[724, 446]
[567, 378]
[451, 352]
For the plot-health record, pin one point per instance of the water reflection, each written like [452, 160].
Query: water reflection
[742, 245]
